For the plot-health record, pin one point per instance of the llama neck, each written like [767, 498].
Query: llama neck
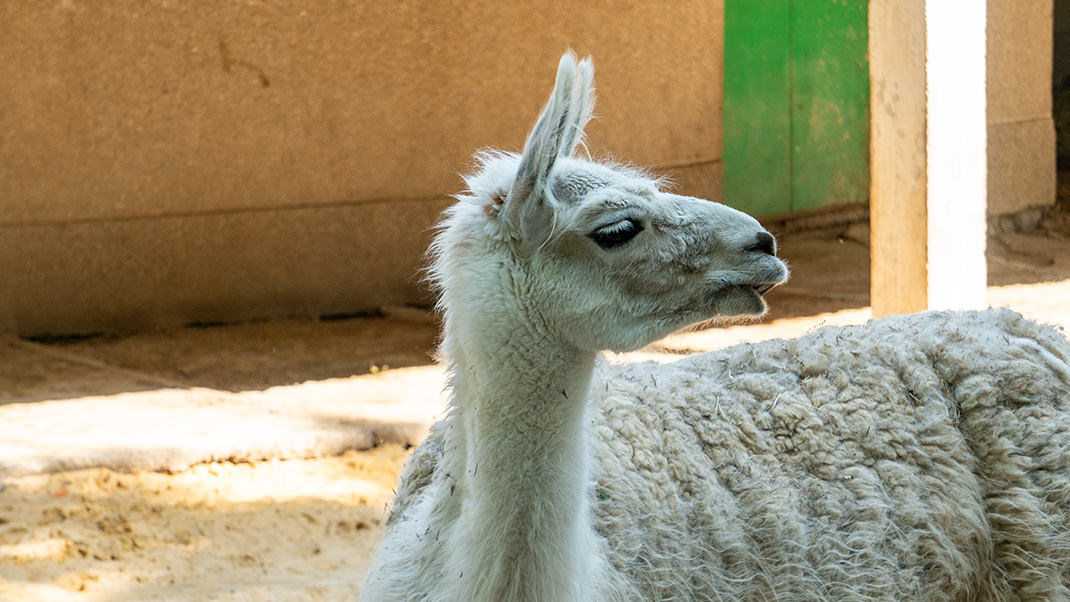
[522, 470]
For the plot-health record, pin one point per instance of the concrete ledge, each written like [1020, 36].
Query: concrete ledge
[124, 276]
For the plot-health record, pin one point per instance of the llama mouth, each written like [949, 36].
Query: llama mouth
[759, 290]
[762, 289]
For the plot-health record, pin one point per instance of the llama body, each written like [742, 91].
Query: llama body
[915, 458]
[851, 465]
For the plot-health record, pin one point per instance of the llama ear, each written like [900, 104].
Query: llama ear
[556, 134]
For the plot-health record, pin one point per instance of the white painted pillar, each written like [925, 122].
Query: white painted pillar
[928, 155]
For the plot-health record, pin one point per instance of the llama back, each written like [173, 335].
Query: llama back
[918, 457]
[921, 457]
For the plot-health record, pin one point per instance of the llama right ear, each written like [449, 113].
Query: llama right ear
[556, 134]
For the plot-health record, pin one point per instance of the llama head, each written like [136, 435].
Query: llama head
[594, 254]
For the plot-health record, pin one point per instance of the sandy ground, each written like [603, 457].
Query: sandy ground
[214, 520]
[276, 530]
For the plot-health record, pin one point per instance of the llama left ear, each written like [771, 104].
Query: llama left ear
[557, 133]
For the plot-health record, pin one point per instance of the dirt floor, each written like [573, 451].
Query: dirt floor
[286, 516]
[276, 530]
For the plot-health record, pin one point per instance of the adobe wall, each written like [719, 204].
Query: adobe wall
[167, 162]
[1021, 132]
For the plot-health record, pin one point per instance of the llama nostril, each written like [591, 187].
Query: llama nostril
[765, 243]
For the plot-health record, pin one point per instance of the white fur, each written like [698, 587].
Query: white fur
[919, 458]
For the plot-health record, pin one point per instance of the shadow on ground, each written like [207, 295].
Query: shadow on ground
[240, 357]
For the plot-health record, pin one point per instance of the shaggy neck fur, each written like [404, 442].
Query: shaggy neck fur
[519, 457]
[546, 259]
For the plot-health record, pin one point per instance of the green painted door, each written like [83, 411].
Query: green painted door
[796, 104]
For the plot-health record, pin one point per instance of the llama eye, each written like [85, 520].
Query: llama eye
[617, 233]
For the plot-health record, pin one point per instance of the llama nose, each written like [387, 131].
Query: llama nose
[764, 243]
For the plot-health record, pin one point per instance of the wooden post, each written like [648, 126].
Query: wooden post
[928, 155]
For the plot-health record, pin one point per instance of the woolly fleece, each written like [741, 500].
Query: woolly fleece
[922, 457]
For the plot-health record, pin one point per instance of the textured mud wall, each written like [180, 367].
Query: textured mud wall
[1021, 133]
[166, 162]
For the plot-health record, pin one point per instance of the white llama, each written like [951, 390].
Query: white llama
[920, 458]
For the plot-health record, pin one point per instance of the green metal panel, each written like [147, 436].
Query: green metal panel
[796, 108]
[830, 103]
[757, 106]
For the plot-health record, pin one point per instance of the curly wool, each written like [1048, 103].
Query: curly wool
[922, 457]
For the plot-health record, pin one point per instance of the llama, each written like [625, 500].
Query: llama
[925, 457]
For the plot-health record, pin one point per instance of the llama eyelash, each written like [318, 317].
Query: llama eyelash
[617, 233]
